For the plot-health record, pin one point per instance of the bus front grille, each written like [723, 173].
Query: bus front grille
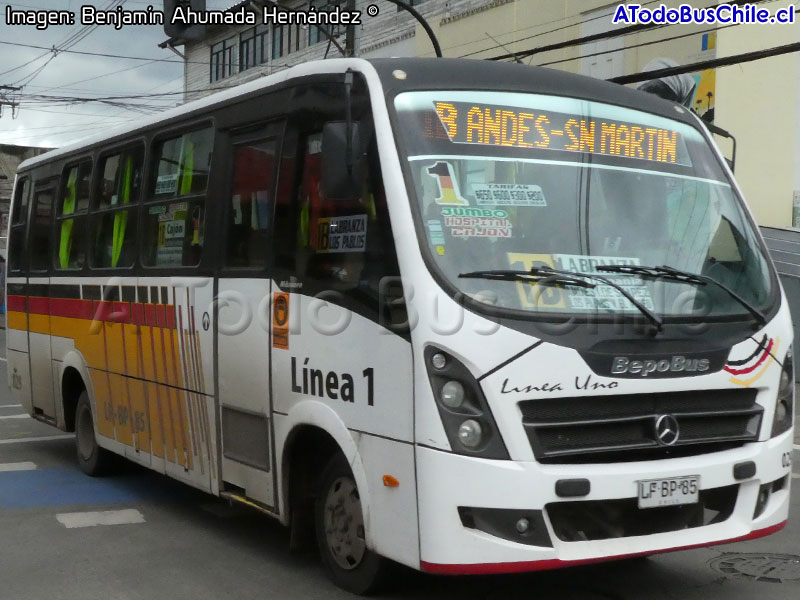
[623, 428]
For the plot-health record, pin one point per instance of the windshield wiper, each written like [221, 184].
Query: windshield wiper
[549, 279]
[549, 276]
[685, 277]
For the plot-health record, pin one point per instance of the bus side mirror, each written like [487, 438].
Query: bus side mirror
[341, 162]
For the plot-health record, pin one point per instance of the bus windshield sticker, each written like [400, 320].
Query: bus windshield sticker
[508, 194]
[435, 232]
[516, 127]
[449, 194]
[601, 297]
[166, 184]
[477, 222]
[342, 234]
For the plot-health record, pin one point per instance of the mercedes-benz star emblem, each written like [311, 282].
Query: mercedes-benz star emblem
[667, 430]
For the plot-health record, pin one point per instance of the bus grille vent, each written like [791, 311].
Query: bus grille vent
[622, 428]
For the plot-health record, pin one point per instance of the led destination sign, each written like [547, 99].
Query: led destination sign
[492, 125]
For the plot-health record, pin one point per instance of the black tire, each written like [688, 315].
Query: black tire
[349, 563]
[92, 459]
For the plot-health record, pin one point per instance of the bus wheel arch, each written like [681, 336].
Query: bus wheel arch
[74, 380]
[316, 434]
[308, 449]
[72, 385]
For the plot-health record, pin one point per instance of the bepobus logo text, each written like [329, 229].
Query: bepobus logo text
[676, 364]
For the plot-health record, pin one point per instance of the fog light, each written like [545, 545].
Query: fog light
[763, 498]
[470, 433]
[786, 381]
[438, 361]
[781, 411]
[452, 394]
[523, 525]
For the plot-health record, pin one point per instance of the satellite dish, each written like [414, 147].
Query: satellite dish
[677, 88]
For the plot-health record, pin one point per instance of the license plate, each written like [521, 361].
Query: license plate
[669, 492]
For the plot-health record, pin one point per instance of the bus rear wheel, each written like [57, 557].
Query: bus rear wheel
[339, 523]
[92, 459]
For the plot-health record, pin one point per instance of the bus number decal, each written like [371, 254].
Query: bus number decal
[330, 384]
[120, 416]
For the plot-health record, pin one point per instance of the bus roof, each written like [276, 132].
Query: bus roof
[421, 74]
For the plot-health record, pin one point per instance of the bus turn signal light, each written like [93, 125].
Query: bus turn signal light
[390, 481]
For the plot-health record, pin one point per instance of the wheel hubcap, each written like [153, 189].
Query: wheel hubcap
[85, 435]
[344, 524]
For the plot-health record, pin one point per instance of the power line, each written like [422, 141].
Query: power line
[727, 61]
[644, 44]
[104, 55]
[612, 34]
[543, 33]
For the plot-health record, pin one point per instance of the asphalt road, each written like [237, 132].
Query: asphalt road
[173, 542]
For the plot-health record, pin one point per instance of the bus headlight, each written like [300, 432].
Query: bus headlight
[784, 407]
[465, 414]
[470, 433]
[452, 394]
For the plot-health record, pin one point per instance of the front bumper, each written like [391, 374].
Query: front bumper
[449, 481]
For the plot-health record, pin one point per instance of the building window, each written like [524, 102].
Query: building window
[293, 38]
[223, 59]
[262, 44]
[247, 50]
[277, 41]
[317, 34]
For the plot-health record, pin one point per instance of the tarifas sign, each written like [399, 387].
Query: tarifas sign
[516, 127]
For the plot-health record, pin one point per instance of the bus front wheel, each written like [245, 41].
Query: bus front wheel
[92, 459]
[339, 523]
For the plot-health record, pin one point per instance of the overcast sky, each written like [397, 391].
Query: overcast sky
[50, 123]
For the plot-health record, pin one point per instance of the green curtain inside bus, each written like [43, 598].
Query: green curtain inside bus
[65, 246]
[121, 218]
[187, 166]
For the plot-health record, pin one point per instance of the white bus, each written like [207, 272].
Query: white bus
[464, 316]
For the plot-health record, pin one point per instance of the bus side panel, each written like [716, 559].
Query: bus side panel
[333, 359]
[19, 379]
[16, 315]
[39, 344]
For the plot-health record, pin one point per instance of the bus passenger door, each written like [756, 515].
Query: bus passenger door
[243, 319]
[40, 258]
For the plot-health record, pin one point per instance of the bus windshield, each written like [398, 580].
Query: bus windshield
[509, 182]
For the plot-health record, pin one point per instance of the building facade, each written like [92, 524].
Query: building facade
[543, 32]
[480, 29]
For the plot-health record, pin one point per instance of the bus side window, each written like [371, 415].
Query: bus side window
[73, 206]
[19, 218]
[174, 217]
[42, 221]
[340, 245]
[250, 204]
[115, 214]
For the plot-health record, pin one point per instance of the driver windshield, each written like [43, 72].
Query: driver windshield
[507, 182]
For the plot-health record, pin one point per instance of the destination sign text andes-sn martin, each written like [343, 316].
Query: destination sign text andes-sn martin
[492, 125]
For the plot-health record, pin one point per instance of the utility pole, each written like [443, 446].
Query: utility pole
[5, 101]
[350, 42]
